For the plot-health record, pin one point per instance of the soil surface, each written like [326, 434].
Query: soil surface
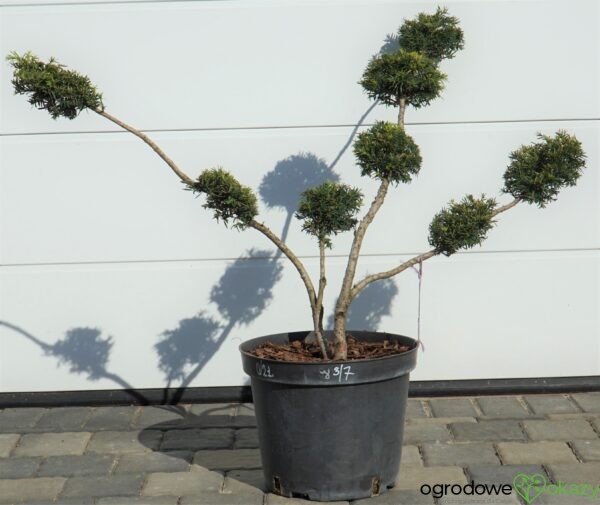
[309, 352]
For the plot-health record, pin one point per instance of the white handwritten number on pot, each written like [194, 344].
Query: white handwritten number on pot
[264, 370]
[342, 372]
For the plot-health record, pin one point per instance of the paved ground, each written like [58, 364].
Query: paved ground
[207, 454]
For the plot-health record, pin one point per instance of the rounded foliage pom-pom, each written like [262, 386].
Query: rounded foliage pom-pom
[539, 170]
[329, 209]
[229, 199]
[52, 87]
[461, 225]
[407, 75]
[386, 151]
[437, 36]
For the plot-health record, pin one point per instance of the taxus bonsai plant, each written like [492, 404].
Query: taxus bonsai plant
[408, 75]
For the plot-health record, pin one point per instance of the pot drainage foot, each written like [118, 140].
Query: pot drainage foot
[375, 486]
[303, 496]
[277, 485]
[278, 488]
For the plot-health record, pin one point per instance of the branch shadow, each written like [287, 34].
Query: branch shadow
[282, 186]
[83, 350]
[370, 306]
[204, 435]
[242, 293]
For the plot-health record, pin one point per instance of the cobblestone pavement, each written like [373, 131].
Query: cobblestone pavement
[207, 454]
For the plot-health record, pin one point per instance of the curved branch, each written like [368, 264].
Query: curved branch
[359, 235]
[182, 175]
[503, 208]
[267, 232]
[357, 288]
[344, 298]
[310, 289]
[322, 283]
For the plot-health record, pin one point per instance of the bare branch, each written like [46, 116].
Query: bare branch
[267, 232]
[322, 283]
[401, 111]
[344, 298]
[357, 288]
[310, 289]
[182, 175]
[390, 273]
[503, 208]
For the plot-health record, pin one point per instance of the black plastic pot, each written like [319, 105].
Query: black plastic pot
[330, 431]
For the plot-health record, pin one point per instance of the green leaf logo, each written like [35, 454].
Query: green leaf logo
[529, 487]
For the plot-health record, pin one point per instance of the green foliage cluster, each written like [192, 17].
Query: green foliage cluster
[229, 199]
[539, 170]
[329, 209]
[52, 87]
[461, 225]
[411, 72]
[386, 151]
[438, 36]
[403, 74]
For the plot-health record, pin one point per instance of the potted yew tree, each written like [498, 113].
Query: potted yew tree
[330, 404]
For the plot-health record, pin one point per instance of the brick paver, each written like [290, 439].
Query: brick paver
[19, 468]
[244, 416]
[16, 490]
[112, 485]
[246, 438]
[487, 431]
[228, 459]
[139, 500]
[208, 454]
[65, 419]
[19, 420]
[589, 402]
[183, 483]
[452, 407]
[572, 429]
[394, 497]
[172, 461]
[76, 466]
[411, 456]
[414, 408]
[516, 453]
[253, 478]
[502, 407]
[52, 444]
[197, 439]
[576, 473]
[504, 474]
[413, 477]
[111, 419]
[419, 433]
[273, 499]
[8, 442]
[119, 442]
[550, 404]
[477, 453]
[493, 499]
[587, 450]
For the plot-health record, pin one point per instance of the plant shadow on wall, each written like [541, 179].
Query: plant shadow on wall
[84, 351]
[242, 293]
[240, 296]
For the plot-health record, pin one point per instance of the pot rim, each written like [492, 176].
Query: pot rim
[328, 373]
[413, 349]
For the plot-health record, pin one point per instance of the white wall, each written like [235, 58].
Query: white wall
[98, 241]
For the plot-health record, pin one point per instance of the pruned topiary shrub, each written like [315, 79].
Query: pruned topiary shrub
[409, 75]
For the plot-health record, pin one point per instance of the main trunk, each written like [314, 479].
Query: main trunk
[339, 333]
